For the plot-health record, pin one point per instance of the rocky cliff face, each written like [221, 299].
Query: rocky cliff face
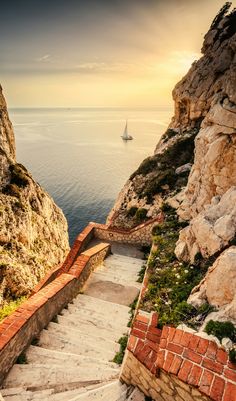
[204, 98]
[33, 230]
[201, 139]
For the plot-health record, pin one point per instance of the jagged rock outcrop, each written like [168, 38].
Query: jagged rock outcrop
[205, 98]
[201, 137]
[218, 286]
[213, 172]
[7, 142]
[33, 230]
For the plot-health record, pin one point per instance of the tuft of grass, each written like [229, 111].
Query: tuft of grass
[141, 274]
[10, 307]
[55, 319]
[221, 329]
[120, 355]
[35, 341]
[232, 355]
[22, 360]
[140, 215]
[132, 310]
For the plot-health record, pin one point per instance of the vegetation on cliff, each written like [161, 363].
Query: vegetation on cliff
[171, 281]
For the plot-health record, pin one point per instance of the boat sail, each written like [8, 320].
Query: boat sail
[126, 136]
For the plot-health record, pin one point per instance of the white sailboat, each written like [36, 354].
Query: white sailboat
[126, 136]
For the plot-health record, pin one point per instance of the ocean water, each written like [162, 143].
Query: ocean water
[78, 155]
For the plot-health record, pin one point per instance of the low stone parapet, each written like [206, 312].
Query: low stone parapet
[19, 329]
[139, 235]
[193, 368]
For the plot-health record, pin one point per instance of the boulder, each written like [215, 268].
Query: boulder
[218, 286]
[211, 230]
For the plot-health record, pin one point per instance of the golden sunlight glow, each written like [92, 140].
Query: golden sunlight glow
[130, 60]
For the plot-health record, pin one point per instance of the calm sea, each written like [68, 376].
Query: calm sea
[78, 156]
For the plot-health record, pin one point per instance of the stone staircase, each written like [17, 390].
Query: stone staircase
[73, 357]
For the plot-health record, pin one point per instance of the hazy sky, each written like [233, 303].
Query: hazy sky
[78, 53]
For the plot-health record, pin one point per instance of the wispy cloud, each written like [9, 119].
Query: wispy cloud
[44, 58]
[104, 67]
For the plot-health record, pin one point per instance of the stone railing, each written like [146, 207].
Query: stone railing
[173, 364]
[19, 329]
[139, 235]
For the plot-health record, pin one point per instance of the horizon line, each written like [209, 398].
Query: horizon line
[89, 107]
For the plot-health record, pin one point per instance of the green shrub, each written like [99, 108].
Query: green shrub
[120, 355]
[132, 311]
[162, 166]
[221, 329]
[170, 133]
[9, 308]
[19, 175]
[141, 214]
[141, 274]
[232, 355]
[21, 360]
[131, 211]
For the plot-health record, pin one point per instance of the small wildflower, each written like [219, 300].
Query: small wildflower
[191, 267]
[177, 275]
[186, 271]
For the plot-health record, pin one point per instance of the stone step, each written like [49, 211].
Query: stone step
[116, 278]
[100, 315]
[93, 321]
[38, 376]
[122, 294]
[125, 259]
[65, 343]
[123, 268]
[46, 356]
[73, 333]
[109, 392]
[86, 302]
[71, 394]
[87, 327]
[22, 394]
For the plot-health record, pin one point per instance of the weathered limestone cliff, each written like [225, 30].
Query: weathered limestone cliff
[194, 166]
[204, 98]
[33, 230]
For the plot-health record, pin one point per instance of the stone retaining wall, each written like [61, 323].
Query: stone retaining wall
[19, 329]
[180, 359]
[139, 235]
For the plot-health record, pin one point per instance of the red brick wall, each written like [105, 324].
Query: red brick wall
[194, 360]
